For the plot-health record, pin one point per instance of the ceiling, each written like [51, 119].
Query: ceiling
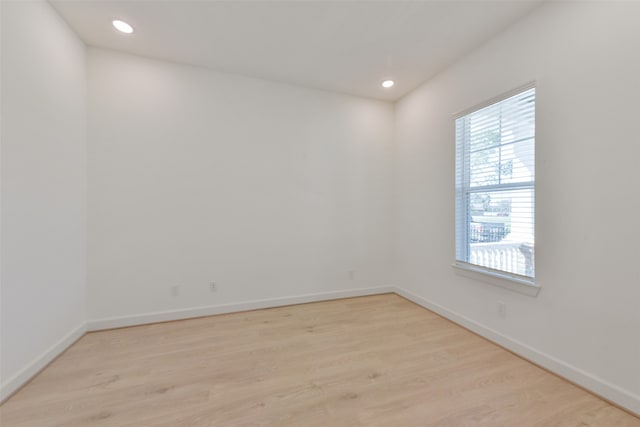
[340, 46]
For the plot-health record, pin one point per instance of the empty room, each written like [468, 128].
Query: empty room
[320, 213]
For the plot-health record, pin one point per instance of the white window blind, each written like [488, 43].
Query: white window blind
[495, 187]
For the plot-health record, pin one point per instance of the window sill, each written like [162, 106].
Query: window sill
[515, 284]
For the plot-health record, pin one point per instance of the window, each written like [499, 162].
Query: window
[495, 185]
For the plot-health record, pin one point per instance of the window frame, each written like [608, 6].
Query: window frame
[520, 283]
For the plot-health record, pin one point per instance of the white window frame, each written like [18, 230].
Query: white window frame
[512, 281]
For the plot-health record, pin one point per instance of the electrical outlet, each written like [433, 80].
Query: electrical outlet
[213, 286]
[352, 275]
[502, 309]
[175, 290]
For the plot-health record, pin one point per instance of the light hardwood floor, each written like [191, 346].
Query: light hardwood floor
[370, 361]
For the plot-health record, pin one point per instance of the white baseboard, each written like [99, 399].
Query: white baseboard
[615, 394]
[611, 392]
[32, 369]
[169, 315]
[14, 383]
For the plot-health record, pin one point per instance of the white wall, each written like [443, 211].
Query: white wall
[584, 57]
[43, 268]
[275, 191]
[270, 190]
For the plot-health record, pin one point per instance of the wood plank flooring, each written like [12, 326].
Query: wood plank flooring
[370, 361]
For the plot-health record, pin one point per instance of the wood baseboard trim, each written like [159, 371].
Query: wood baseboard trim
[616, 396]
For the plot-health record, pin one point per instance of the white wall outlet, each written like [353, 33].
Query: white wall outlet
[175, 290]
[502, 309]
[352, 275]
[213, 286]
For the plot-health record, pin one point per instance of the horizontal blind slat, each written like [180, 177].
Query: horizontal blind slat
[495, 185]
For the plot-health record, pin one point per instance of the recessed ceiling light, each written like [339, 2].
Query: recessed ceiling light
[388, 83]
[122, 26]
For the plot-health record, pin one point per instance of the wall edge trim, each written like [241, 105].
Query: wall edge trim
[603, 389]
[210, 310]
[36, 365]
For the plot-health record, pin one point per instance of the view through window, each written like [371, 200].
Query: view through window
[495, 184]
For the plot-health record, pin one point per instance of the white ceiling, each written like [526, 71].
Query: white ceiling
[341, 46]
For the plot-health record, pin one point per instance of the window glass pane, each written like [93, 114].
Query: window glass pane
[485, 167]
[517, 162]
[500, 230]
[484, 131]
[495, 180]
